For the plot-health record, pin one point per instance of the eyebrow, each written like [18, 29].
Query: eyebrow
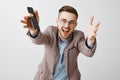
[68, 20]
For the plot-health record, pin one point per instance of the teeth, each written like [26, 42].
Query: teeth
[66, 30]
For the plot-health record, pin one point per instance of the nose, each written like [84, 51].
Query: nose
[67, 25]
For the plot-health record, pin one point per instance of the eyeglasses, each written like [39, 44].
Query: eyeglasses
[64, 21]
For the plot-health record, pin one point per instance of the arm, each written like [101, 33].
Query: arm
[92, 31]
[84, 48]
[36, 35]
[88, 45]
[40, 37]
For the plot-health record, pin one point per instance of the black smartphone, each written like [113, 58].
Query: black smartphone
[33, 19]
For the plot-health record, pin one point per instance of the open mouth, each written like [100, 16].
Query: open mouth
[65, 31]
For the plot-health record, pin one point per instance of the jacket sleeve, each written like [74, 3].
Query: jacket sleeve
[41, 37]
[84, 48]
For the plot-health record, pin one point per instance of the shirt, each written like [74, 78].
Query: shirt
[60, 71]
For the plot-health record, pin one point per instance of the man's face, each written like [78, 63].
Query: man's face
[66, 24]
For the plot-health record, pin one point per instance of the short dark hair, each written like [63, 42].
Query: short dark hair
[69, 9]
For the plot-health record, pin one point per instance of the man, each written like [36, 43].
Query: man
[62, 45]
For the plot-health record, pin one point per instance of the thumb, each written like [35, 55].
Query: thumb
[37, 15]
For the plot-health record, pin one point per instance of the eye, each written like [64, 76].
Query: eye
[64, 20]
[72, 22]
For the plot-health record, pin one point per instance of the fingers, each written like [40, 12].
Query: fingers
[36, 14]
[25, 26]
[96, 27]
[27, 17]
[91, 20]
[23, 21]
[97, 24]
[92, 29]
[27, 22]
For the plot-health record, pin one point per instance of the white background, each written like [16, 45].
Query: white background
[19, 57]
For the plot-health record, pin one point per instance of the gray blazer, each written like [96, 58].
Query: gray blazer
[77, 45]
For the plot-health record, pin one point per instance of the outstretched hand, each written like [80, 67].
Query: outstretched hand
[27, 23]
[92, 30]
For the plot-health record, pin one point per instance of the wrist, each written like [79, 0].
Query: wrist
[33, 31]
[34, 34]
[91, 41]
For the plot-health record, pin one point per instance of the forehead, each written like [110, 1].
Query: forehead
[67, 15]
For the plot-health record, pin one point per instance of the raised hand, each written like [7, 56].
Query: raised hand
[92, 30]
[27, 23]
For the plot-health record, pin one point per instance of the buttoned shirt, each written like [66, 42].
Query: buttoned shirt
[60, 71]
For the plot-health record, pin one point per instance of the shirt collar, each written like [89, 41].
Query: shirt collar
[66, 41]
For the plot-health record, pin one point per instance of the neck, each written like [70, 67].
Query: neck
[63, 39]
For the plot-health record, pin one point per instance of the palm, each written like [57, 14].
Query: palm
[92, 30]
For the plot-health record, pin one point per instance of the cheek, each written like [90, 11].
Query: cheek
[59, 27]
[58, 24]
[72, 28]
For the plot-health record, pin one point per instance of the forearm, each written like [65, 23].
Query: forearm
[38, 37]
[87, 49]
[34, 34]
[88, 44]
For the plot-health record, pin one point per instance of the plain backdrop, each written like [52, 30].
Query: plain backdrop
[19, 57]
